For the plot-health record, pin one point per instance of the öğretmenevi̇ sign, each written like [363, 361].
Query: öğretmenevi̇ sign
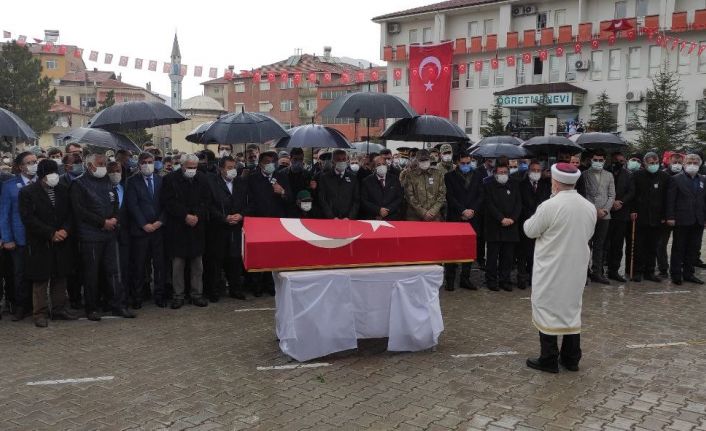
[530, 100]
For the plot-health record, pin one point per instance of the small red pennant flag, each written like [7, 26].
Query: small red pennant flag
[478, 65]
[631, 35]
[397, 73]
[78, 52]
[374, 75]
[62, 50]
[256, 77]
[166, 67]
[6, 34]
[494, 63]
[123, 61]
[312, 77]
[271, 77]
[360, 76]
[578, 47]
[183, 70]
[48, 47]
[611, 40]
[283, 76]
[462, 68]
[510, 60]
[327, 77]
[297, 78]
[559, 52]
[527, 58]
[22, 40]
[93, 56]
[701, 49]
[198, 71]
[212, 72]
[650, 33]
[109, 59]
[682, 45]
[228, 75]
[415, 72]
[345, 77]
[692, 47]
[543, 55]
[138, 63]
[675, 42]
[595, 44]
[152, 66]
[445, 69]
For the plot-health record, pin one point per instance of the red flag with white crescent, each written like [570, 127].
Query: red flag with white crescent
[256, 77]
[559, 52]
[138, 63]
[271, 77]
[312, 77]
[510, 60]
[78, 52]
[595, 44]
[360, 76]
[283, 76]
[527, 58]
[430, 88]
[297, 78]
[109, 59]
[611, 40]
[543, 55]
[345, 77]
[692, 47]
[228, 75]
[374, 75]
[701, 49]
[478, 66]
[397, 73]
[61, 50]
[198, 70]
[578, 47]
[327, 77]
[462, 68]
[494, 63]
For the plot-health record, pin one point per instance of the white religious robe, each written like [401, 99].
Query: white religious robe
[562, 227]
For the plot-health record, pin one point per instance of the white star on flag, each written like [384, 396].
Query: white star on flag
[376, 224]
[429, 86]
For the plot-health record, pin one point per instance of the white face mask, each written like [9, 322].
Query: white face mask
[535, 176]
[676, 167]
[224, 153]
[176, 167]
[341, 167]
[388, 162]
[513, 170]
[305, 206]
[100, 171]
[691, 169]
[147, 169]
[52, 179]
[190, 172]
[59, 162]
[501, 178]
[446, 158]
[424, 165]
[355, 167]
[231, 173]
[269, 168]
[115, 177]
[381, 171]
[32, 170]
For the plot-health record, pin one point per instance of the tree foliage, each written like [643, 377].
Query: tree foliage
[602, 119]
[541, 112]
[496, 124]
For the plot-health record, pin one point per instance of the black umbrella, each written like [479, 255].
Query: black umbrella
[135, 115]
[600, 141]
[367, 147]
[499, 140]
[551, 145]
[425, 128]
[370, 105]
[495, 150]
[196, 135]
[314, 136]
[244, 128]
[12, 126]
[99, 138]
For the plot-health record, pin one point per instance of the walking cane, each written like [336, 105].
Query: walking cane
[632, 251]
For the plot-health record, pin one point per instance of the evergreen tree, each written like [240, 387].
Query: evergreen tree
[23, 90]
[108, 101]
[601, 117]
[663, 124]
[495, 125]
[542, 111]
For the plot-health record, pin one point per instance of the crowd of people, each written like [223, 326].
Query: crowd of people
[84, 230]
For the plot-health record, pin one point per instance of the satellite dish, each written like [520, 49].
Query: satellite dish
[64, 123]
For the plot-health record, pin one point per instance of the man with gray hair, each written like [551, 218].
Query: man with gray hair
[686, 212]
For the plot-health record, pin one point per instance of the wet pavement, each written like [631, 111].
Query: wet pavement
[643, 367]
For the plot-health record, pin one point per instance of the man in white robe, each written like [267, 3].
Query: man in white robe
[562, 227]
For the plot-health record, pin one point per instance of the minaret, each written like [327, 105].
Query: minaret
[175, 75]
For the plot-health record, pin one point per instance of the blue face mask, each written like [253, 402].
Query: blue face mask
[652, 168]
[523, 167]
[132, 163]
[464, 168]
[77, 169]
[158, 165]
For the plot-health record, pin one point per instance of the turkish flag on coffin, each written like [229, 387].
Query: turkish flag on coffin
[273, 244]
[430, 86]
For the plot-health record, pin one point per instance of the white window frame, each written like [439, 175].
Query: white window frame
[483, 117]
[455, 77]
[453, 117]
[264, 85]
[470, 77]
[286, 105]
[413, 32]
[555, 64]
[484, 80]
[571, 72]
[653, 66]
[700, 111]
[634, 62]
[488, 26]
[621, 9]
[263, 104]
[52, 64]
[683, 63]
[641, 7]
[500, 74]
[427, 35]
[559, 17]
[239, 87]
[473, 29]
[630, 116]
[597, 65]
[468, 121]
[614, 63]
[520, 72]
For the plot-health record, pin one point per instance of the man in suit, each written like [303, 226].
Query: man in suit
[381, 194]
[464, 196]
[146, 230]
[686, 212]
[115, 176]
[533, 191]
[95, 205]
[619, 232]
[13, 231]
[45, 210]
[338, 190]
[185, 198]
[674, 167]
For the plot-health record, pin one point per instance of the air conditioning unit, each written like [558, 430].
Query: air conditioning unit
[529, 9]
[634, 96]
[640, 21]
[393, 28]
[468, 130]
[704, 93]
[582, 64]
[517, 11]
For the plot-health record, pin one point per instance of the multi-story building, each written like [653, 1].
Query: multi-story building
[485, 30]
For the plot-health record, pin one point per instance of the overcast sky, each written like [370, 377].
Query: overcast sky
[246, 34]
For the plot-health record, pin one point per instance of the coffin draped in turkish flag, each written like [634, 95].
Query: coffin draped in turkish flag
[272, 244]
[430, 83]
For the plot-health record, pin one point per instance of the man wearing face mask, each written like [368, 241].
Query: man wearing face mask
[464, 197]
[634, 164]
[386, 153]
[147, 219]
[674, 167]
[224, 232]
[534, 189]
[446, 163]
[381, 193]
[338, 191]
[305, 205]
[12, 230]
[686, 213]
[424, 190]
[620, 231]
[283, 160]
[501, 198]
[224, 150]
[123, 233]
[299, 178]
[598, 186]
[96, 208]
[647, 211]
[46, 213]
[186, 198]
[55, 154]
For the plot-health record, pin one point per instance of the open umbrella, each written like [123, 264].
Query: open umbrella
[512, 140]
[367, 147]
[495, 150]
[425, 128]
[98, 138]
[551, 145]
[244, 128]
[314, 136]
[600, 141]
[12, 126]
[135, 115]
[196, 135]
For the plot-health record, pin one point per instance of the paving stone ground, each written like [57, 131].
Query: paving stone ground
[196, 368]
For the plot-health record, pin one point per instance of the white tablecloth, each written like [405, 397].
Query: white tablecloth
[326, 311]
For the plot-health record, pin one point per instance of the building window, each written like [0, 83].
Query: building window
[702, 59]
[454, 117]
[597, 65]
[52, 65]
[538, 70]
[68, 100]
[455, 77]
[655, 60]
[621, 9]
[485, 74]
[240, 87]
[332, 94]
[701, 114]
[470, 78]
[684, 67]
[641, 7]
[520, 70]
[489, 26]
[264, 106]
[614, 64]
[426, 34]
[500, 74]
[239, 107]
[483, 117]
[310, 104]
[559, 17]
[62, 100]
[613, 113]
[571, 60]
[632, 116]
[555, 64]
[542, 20]
[413, 36]
[634, 62]
[473, 29]
[468, 121]
[264, 85]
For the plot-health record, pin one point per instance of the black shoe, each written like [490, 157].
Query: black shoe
[41, 322]
[177, 303]
[213, 298]
[63, 315]
[663, 274]
[637, 278]
[494, 288]
[271, 291]
[599, 278]
[700, 264]
[161, 303]
[136, 305]
[467, 284]
[568, 366]
[199, 302]
[617, 277]
[449, 285]
[535, 364]
[124, 312]
[257, 293]
[521, 285]
[19, 314]
[236, 294]
[506, 287]
[692, 279]
[93, 316]
[652, 277]
[677, 281]
[76, 305]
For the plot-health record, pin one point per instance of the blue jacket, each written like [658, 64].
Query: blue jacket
[11, 227]
[142, 207]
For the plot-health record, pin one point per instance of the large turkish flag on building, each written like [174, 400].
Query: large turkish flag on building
[430, 81]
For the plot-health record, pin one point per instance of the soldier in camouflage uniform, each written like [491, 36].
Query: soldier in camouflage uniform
[425, 190]
[446, 164]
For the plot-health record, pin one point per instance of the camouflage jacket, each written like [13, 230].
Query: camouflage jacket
[425, 191]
